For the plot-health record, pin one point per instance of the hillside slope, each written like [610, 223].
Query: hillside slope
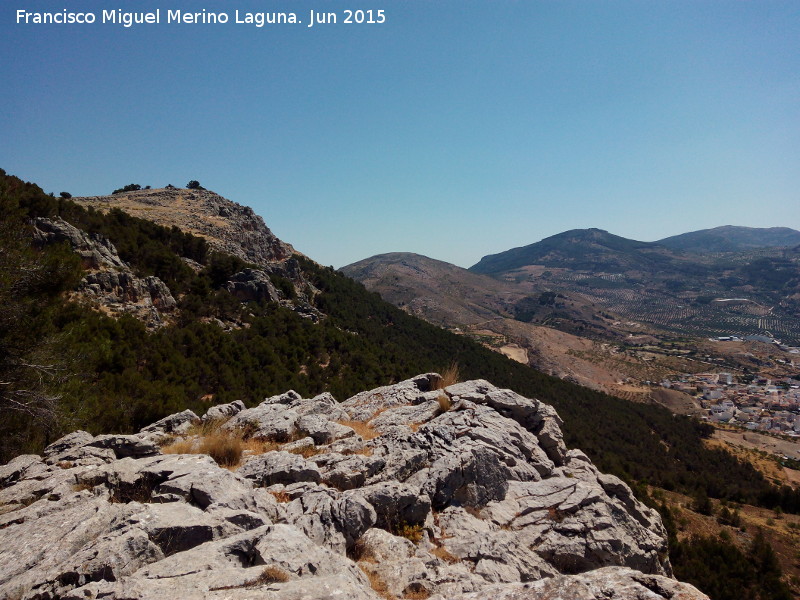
[588, 249]
[730, 238]
[437, 291]
[65, 363]
[227, 226]
[753, 291]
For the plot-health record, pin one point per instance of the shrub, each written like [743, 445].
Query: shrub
[269, 575]
[412, 533]
[131, 187]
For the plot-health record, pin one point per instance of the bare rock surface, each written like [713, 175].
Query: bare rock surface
[110, 280]
[600, 584]
[407, 490]
[229, 227]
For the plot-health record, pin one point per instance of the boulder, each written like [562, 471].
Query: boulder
[179, 423]
[252, 285]
[271, 419]
[396, 504]
[223, 411]
[365, 405]
[279, 467]
[330, 518]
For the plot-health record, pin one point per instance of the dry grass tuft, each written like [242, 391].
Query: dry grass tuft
[225, 447]
[361, 553]
[365, 451]
[204, 428]
[260, 445]
[449, 377]
[306, 451]
[269, 575]
[376, 583]
[79, 487]
[555, 514]
[442, 553]
[445, 403]
[282, 497]
[416, 592]
[365, 431]
[179, 447]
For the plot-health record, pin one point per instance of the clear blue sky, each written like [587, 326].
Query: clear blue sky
[455, 129]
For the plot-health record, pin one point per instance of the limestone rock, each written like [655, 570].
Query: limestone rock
[95, 250]
[252, 285]
[364, 406]
[271, 420]
[178, 423]
[600, 584]
[491, 502]
[396, 504]
[223, 411]
[280, 467]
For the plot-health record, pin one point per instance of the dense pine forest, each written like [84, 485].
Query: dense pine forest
[64, 365]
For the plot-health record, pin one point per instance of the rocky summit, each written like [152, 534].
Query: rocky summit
[228, 226]
[413, 490]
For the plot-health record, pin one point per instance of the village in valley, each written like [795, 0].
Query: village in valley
[759, 402]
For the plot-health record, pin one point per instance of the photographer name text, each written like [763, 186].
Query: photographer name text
[203, 17]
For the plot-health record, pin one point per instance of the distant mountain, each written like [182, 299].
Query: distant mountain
[731, 238]
[437, 291]
[567, 280]
[587, 249]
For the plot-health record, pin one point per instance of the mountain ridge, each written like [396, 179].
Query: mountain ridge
[732, 238]
[228, 226]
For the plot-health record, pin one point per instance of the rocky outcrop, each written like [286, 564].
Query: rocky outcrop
[229, 227]
[96, 251]
[407, 490]
[124, 288]
[109, 281]
[253, 285]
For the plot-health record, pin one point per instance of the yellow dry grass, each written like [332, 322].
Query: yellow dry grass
[444, 401]
[449, 377]
[376, 583]
[282, 497]
[442, 553]
[361, 428]
[179, 447]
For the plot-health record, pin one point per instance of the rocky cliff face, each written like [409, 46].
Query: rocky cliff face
[229, 227]
[109, 281]
[400, 492]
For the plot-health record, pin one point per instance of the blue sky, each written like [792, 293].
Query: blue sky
[455, 129]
